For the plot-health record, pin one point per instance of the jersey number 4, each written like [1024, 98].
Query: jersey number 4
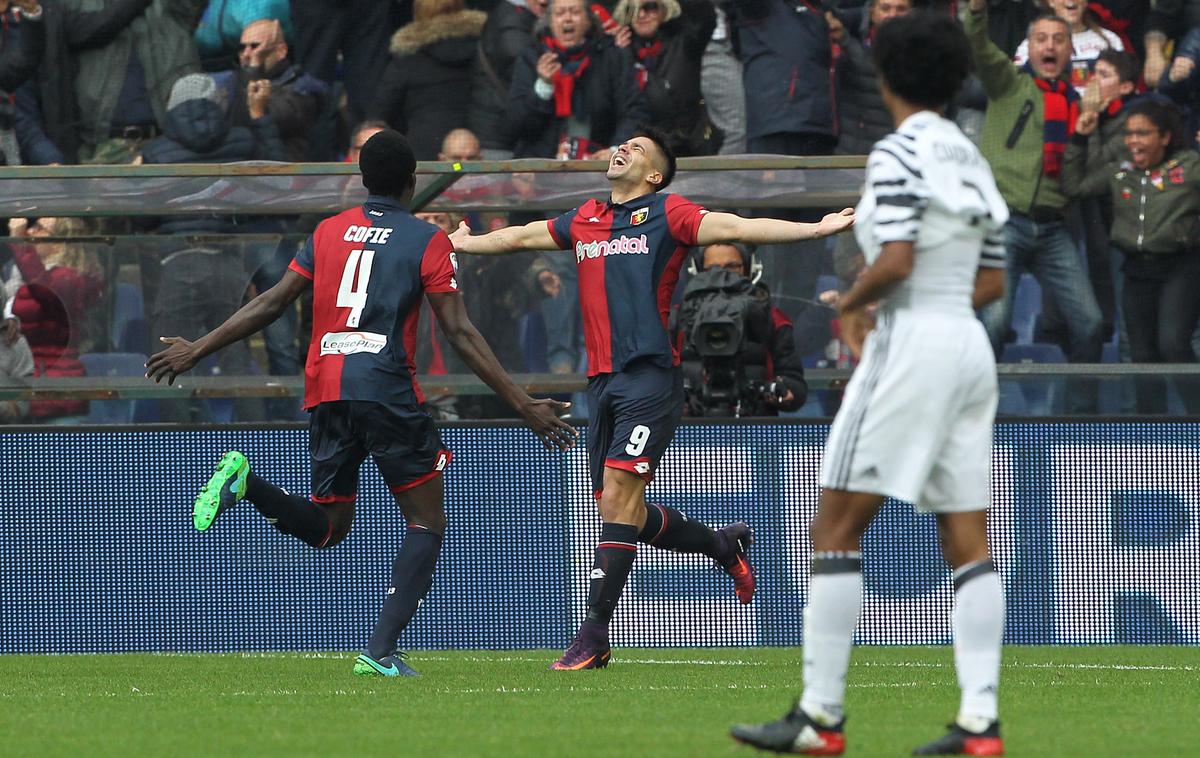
[352, 293]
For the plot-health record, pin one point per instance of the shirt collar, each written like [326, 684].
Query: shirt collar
[383, 202]
[639, 200]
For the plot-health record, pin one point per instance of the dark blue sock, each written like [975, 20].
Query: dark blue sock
[412, 576]
[671, 529]
[290, 514]
[614, 559]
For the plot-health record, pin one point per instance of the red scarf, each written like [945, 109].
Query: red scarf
[1060, 109]
[647, 57]
[574, 62]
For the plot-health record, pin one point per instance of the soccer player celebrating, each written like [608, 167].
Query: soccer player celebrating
[916, 422]
[629, 250]
[368, 268]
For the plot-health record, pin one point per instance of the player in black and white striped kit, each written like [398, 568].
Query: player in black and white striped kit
[916, 422]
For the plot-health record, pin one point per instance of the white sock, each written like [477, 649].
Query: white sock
[834, 605]
[978, 630]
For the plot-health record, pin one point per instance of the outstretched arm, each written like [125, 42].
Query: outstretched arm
[728, 227]
[540, 415]
[510, 239]
[181, 355]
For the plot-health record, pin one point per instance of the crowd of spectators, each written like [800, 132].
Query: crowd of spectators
[186, 81]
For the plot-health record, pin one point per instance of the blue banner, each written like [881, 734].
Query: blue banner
[1095, 530]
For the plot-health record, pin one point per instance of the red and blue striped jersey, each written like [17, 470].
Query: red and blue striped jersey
[629, 256]
[370, 266]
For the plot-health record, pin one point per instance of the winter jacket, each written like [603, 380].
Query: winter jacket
[1173, 17]
[606, 96]
[1011, 142]
[198, 131]
[22, 45]
[1155, 212]
[296, 101]
[785, 51]
[70, 30]
[508, 31]
[672, 89]
[51, 305]
[862, 116]
[426, 89]
[162, 36]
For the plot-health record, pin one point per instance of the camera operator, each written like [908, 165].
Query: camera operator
[738, 350]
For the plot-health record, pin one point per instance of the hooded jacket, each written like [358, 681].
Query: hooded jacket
[426, 88]
[198, 131]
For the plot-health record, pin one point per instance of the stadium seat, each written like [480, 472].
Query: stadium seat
[128, 308]
[1043, 395]
[116, 411]
[533, 342]
[1026, 307]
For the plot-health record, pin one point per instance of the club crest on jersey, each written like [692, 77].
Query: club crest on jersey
[640, 215]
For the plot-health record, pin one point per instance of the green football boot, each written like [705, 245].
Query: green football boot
[226, 487]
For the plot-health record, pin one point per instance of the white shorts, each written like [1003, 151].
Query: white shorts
[916, 421]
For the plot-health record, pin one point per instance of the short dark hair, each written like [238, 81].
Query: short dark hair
[663, 142]
[923, 57]
[387, 163]
[1126, 65]
[1046, 15]
[1165, 116]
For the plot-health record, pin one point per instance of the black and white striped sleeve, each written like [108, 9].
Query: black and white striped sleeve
[901, 193]
[994, 253]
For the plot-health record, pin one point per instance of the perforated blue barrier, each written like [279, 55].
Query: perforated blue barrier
[1096, 532]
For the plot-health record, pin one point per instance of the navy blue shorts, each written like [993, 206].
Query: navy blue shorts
[404, 442]
[633, 415]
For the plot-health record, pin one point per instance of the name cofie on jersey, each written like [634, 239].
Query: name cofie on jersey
[620, 246]
[347, 343]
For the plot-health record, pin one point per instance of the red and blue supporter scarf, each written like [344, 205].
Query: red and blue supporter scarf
[575, 61]
[1060, 107]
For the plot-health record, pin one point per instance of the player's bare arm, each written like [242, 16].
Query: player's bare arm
[181, 354]
[510, 239]
[730, 227]
[541, 414]
[989, 286]
[894, 265]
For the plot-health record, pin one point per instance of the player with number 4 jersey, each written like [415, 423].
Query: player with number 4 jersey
[368, 268]
[629, 250]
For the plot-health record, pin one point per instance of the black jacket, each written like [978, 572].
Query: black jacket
[785, 52]
[863, 118]
[426, 89]
[606, 95]
[508, 31]
[198, 131]
[296, 101]
[673, 81]
[67, 33]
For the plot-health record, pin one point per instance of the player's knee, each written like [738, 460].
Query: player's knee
[433, 521]
[341, 518]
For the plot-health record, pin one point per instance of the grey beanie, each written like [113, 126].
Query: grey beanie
[196, 87]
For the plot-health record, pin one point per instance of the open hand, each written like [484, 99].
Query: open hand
[542, 416]
[836, 223]
[170, 363]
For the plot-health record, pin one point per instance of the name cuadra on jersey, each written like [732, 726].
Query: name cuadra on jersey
[370, 267]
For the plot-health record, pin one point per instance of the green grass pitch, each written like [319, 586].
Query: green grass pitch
[1058, 701]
